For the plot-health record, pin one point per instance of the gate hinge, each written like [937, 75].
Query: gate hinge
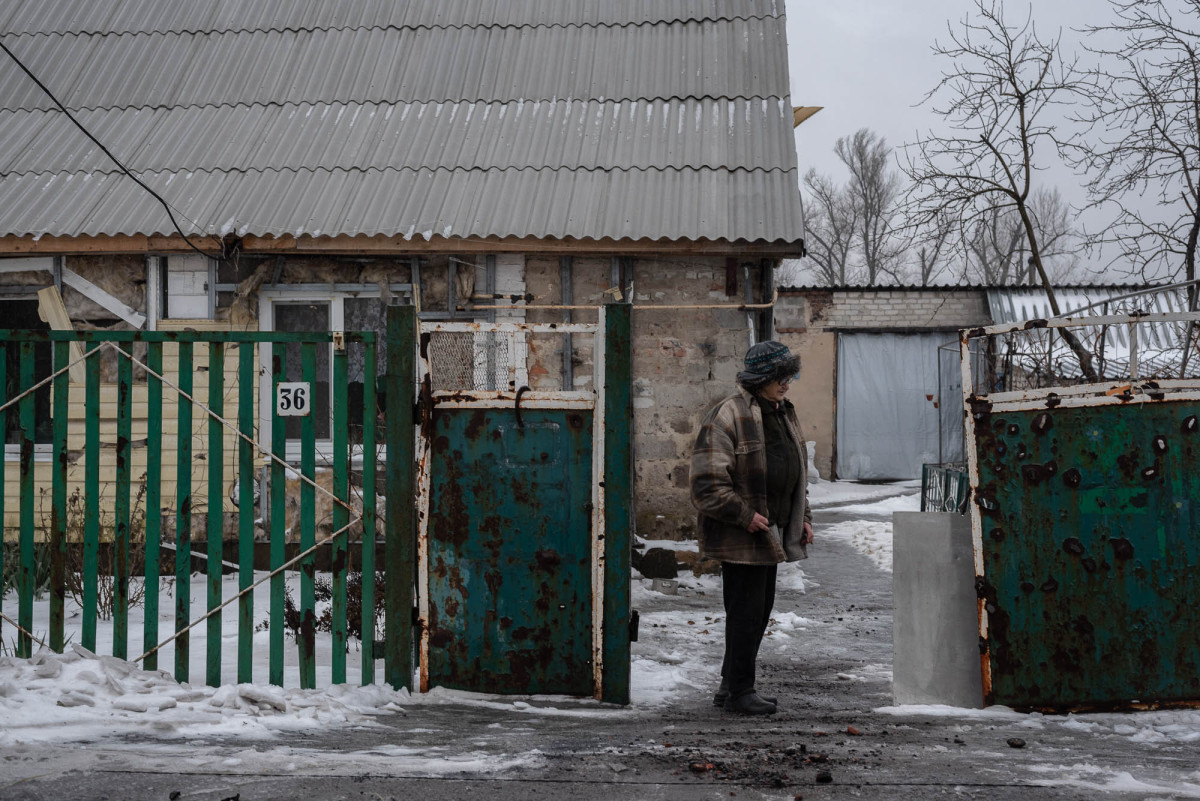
[634, 618]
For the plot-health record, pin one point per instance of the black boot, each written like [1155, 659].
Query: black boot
[723, 694]
[750, 704]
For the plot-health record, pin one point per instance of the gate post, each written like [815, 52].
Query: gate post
[618, 503]
[399, 553]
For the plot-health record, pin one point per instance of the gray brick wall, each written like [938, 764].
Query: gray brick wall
[883, 308]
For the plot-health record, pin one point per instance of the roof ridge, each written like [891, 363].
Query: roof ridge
[50, 108]
[394, 26]
[114, 170]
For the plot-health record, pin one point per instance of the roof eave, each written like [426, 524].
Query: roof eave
[346, 244]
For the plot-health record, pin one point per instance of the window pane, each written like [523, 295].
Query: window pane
[20, 315]
[365, 314]
[297, 317]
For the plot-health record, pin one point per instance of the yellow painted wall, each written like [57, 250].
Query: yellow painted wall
[77, 432]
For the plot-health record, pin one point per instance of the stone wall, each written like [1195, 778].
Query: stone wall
[684, 361]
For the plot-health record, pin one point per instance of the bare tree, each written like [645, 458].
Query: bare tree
[998, 96]
[1145, 125]
[932, 244]
[995, 246]
[831, 223]
[991, 247]
[874, 190]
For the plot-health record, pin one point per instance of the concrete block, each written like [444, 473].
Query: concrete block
[935, 631]
[792, 317]
[657, 448]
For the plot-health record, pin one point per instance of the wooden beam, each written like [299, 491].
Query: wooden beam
[52, 310]
[394, 245]
[27, 265]
[98, 295]
[802, 113]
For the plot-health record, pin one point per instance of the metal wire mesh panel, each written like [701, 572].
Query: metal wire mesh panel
[477, 360]
[505, 356]
[1040, 357]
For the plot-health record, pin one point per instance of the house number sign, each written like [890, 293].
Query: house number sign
[293, 399]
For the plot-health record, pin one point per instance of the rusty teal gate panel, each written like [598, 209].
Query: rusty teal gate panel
[1091, 550]
[523, 507]
[510, 550]
[1085, 519]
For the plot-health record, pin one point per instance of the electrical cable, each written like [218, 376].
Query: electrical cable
[115, 160]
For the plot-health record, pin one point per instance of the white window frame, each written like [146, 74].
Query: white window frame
[335, 296]
[164, 265]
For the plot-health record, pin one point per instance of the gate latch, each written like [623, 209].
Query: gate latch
[339, 340]
[517, 406]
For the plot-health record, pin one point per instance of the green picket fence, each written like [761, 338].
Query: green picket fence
[113, 488]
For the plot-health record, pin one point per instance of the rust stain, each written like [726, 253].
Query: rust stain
[548, 560]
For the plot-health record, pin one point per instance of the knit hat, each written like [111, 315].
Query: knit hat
[766, 362]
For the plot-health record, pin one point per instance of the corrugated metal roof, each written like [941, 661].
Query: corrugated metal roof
[583, 204]
[728, 59]
[156, 16]
[731, 134]
[1016, 304]
[659, 119]
[1158, 343]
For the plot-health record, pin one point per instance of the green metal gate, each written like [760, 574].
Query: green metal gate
[1084, 514]
[524, 508]
[126, 433]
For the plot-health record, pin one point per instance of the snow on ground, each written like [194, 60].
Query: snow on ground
[825, 494]
[1097, 777]
[82, 696]
[896, 503]
[79, 695]
[873, 538]
[1162, 726]
[870, 537]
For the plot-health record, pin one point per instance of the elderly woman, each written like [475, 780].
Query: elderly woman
[748, 482]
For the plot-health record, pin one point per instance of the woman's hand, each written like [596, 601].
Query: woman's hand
[808, 535]
[758, 523]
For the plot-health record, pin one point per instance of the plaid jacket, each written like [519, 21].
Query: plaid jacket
[729, 482]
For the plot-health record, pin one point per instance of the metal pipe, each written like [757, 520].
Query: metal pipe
[1139, 293]
[565, 271]
[748, 291]
[644, 307]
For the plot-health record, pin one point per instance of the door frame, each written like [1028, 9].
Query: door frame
[609, 400]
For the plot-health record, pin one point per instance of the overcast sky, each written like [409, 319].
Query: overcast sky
[869, 63]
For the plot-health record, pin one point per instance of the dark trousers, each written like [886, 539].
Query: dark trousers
[749, 592]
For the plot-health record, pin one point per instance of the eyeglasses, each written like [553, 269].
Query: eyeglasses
[783, 382]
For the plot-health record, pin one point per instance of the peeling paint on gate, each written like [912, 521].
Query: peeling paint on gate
[515, 594]
[509, 551]
[1086, 513]
[1090, 554]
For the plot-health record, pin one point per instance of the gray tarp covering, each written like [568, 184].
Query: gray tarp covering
[887, 410]
[950, 404]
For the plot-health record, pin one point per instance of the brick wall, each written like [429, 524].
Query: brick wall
[895, 309]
